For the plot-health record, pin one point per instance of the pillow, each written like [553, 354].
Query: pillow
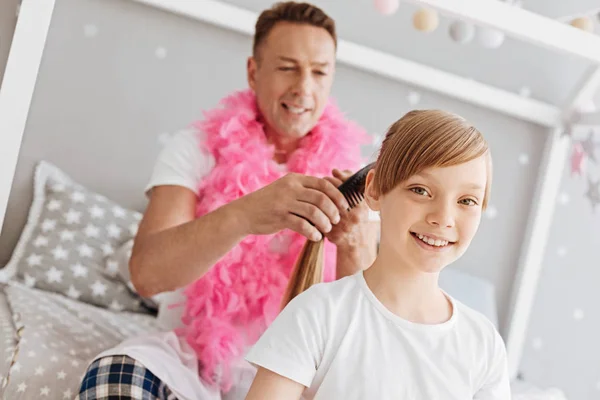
[69, 241]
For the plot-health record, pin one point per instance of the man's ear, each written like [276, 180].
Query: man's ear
[251, 68]
[371, 193]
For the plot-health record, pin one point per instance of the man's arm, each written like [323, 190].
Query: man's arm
[268, 385]
[172, 248]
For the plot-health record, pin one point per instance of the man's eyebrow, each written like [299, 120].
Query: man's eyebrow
[293, 60]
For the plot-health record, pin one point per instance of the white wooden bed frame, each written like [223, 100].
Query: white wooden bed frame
[34, 21]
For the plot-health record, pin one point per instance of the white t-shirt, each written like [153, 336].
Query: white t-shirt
[340, 342]
[181, 162]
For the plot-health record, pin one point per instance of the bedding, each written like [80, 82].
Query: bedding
[49, 339]
[53, 338]
[70, 242]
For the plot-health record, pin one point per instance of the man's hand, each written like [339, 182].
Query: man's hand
[291, 202]
[351, 231]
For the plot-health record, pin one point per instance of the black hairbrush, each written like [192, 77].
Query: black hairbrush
[353, 188]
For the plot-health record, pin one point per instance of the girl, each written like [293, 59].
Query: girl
[390, 332]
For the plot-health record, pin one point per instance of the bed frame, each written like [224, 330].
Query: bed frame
[36, 15]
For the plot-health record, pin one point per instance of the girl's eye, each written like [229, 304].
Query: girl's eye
[420, 191]
[286, 68]
[469, 202]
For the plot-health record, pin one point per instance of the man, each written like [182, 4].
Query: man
[230, 202]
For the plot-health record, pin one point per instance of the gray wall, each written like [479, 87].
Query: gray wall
[8, 20]
[104, 99]
[562, 343]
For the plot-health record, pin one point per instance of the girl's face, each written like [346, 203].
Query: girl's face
[429, 220]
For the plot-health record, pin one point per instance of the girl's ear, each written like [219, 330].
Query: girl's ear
[371, 193]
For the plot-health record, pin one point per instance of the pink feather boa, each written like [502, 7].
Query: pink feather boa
[232, 304]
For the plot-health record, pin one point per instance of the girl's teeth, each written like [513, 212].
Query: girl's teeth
[432, 242]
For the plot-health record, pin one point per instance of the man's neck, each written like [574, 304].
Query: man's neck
[283, 146]
[409, 293]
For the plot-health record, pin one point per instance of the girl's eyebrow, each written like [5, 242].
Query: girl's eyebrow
[469, 185]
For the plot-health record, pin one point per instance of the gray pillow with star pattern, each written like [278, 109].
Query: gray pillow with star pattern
[70, 240]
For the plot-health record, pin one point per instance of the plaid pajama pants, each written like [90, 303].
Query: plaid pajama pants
[121, 377]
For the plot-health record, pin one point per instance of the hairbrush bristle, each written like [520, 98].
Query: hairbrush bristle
[353, 188]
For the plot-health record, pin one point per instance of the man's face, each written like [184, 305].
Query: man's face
[292, 76]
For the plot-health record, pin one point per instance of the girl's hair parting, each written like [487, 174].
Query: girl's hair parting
[421, 139]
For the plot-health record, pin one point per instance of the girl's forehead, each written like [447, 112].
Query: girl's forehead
[472, 173]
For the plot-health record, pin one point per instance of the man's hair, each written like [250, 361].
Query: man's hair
[423, 139]
[294, 12]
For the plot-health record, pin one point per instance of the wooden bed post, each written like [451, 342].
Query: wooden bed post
[18, 86]
[540, 220]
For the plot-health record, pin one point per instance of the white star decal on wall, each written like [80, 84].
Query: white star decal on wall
[563, 199]
[524, 159]
[90, 30]
[414, 98]
[160, 53]
[491, 212]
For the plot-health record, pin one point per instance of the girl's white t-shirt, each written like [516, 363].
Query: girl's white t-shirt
[340, 342]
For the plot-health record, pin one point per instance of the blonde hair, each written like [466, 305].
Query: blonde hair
[421, 139]
[424, 139]
[295, 12]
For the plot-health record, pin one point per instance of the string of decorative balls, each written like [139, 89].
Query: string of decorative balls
[427, 20]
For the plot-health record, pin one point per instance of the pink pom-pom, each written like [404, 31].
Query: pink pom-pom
[387, 7]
